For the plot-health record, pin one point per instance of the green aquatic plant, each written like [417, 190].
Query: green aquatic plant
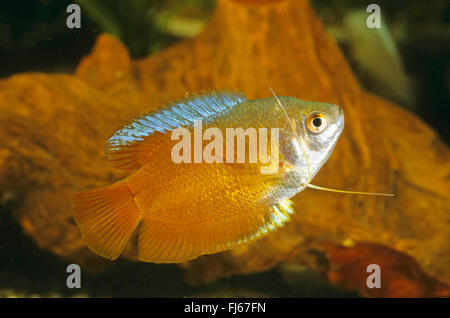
[143, 24]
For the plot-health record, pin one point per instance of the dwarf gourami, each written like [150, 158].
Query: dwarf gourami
[183, 210]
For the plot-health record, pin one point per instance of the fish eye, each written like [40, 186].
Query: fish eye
[316, 122]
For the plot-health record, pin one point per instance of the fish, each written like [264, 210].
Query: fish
[181, 210]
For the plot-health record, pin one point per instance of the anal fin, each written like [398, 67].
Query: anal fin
[161, 242]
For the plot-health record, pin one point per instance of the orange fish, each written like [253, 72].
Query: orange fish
[189, 206]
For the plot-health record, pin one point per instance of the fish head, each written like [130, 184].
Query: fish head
[318, 127]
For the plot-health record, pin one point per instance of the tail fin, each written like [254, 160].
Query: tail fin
[107, 217]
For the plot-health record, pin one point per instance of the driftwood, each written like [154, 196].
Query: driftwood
[53, 127]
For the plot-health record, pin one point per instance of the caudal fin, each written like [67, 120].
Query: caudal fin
[107, 217]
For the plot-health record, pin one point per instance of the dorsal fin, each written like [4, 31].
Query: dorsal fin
[129, 146]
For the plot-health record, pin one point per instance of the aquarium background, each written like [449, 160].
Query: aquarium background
[415, 51]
